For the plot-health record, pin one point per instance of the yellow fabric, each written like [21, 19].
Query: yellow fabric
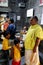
[42, 35]
[33, 32]
[5, 44]
[17, 55]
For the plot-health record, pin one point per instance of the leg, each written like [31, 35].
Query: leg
[28, 54]
[7, 57]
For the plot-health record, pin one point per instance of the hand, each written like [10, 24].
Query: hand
[34, 50]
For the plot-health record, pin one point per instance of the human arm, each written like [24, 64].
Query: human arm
[36, 44]
[12, 52]
[38, 36]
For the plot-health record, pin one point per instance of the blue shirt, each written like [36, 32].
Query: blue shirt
[12, 29]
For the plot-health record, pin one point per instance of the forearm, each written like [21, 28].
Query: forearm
[36, 44]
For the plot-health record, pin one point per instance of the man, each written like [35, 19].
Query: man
[12, 29]
[6, 24]
[32, 42]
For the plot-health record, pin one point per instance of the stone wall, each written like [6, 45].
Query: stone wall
[35, 4]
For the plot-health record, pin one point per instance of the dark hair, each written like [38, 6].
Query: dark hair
[12, 20]
[36, 18]
[7, 16]
[5, 33]
[16, 41]
[6, 21]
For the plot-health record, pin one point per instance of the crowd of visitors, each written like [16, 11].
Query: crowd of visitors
[31, 40]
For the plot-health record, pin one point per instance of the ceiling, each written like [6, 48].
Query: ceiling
[18, 1]
[22, 1]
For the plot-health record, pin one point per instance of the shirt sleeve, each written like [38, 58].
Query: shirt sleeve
[38, 32]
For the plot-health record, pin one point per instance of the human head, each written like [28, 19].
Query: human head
[12, 21]
[34, 20]
[8, 19]
[16, 41]
[24, 28]
[6, 34]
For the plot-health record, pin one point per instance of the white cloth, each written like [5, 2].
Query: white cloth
[30, 55]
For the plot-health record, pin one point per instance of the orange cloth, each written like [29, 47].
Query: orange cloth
[6, 25]
[17, 56]
[5, 44]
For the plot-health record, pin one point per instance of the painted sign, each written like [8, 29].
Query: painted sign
[41, 2]
[4, 3]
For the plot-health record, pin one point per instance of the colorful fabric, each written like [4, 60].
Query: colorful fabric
[12, 29]
[5, 44]
[6, 25]
[17, 56]
[31, 58]
[16, 63]
[33, 33]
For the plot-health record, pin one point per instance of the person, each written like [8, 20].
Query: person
[6, 24]
[32, 42]
[12, 29]
[6, 46]
[16, 53]
[23, 32]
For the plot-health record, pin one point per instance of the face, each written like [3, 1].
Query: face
[32, 21]
[24, 28]
[8, 36]
[17, 45]
[9, 22]
[8, 19]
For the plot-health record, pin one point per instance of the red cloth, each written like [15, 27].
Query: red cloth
[6, 24]
[16, 63]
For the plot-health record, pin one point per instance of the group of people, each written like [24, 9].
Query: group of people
[15, 50]
[31, 43]
[10, 42]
